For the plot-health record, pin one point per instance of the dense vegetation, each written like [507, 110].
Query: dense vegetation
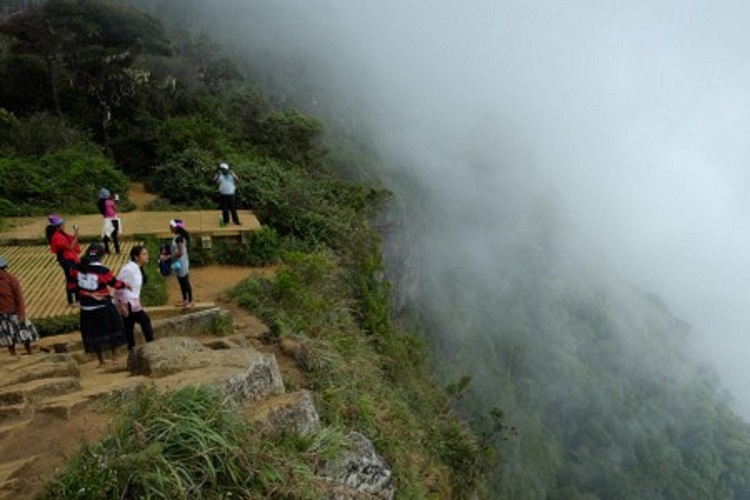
[94, 93]
[607, 399]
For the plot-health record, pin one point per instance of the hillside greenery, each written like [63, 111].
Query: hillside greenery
[95, 93]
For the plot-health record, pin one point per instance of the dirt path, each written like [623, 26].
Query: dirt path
[139, 197]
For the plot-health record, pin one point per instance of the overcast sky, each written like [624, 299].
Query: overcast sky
[634, 114]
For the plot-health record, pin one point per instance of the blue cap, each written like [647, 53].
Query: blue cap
[3, 263]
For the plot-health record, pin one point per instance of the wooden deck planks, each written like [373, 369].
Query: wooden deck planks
[199, 223]
[42, 278]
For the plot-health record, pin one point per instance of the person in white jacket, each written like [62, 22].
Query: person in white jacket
[129, 301]
[227, 182]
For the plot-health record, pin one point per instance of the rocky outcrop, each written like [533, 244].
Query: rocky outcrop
[243, 373]
[293, 412]
[359, 473]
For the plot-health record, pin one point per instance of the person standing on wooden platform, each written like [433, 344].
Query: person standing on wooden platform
[111, 224]
[227, 182]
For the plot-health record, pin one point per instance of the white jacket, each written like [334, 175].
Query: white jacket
[131, 275]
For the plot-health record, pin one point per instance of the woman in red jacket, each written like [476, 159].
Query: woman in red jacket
[14, 328]
[66, 249]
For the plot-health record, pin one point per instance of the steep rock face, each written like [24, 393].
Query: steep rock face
[359, 473]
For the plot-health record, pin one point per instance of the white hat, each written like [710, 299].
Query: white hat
[223, 166]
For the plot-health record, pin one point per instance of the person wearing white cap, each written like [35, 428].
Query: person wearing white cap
[178, 256]
[14, 327]
[227, 182]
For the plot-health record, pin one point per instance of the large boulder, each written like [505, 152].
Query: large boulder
[243, 373]
[292, 412]
[359, 473]
[168, 355]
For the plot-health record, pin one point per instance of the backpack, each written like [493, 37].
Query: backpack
[165, 266]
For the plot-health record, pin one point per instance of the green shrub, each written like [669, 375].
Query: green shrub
[180, 133]
[290, 136]
[57, 324]
[263, 248]
[66, 180]
[186, 178]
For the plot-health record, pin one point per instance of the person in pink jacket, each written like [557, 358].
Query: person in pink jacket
[111, 224]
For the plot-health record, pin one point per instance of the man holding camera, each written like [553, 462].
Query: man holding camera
[227, 182]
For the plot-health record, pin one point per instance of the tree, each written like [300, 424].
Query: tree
[89, 48]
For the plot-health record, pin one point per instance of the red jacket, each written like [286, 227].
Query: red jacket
[11, 298]
[63, 242]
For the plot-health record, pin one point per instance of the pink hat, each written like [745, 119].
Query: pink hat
[55, 220]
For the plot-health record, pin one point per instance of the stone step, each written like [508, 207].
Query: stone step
[34, 390]
[9, 474]
[290, 412]
[191, 323]
[13, 427]
[43, 367]
[69, 405]
[14, 412]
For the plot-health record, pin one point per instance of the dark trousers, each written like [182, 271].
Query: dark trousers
[185, 287]
[114, 236]
[70, 285]
[142, 319]
[228, 203]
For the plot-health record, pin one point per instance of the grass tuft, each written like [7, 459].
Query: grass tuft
[191, 443]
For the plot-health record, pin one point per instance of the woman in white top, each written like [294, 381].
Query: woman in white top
[129, 301]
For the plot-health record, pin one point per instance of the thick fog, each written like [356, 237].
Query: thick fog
[629, 119]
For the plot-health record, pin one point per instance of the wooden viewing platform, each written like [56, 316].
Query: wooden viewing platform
[42, 280]
[199, 223]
